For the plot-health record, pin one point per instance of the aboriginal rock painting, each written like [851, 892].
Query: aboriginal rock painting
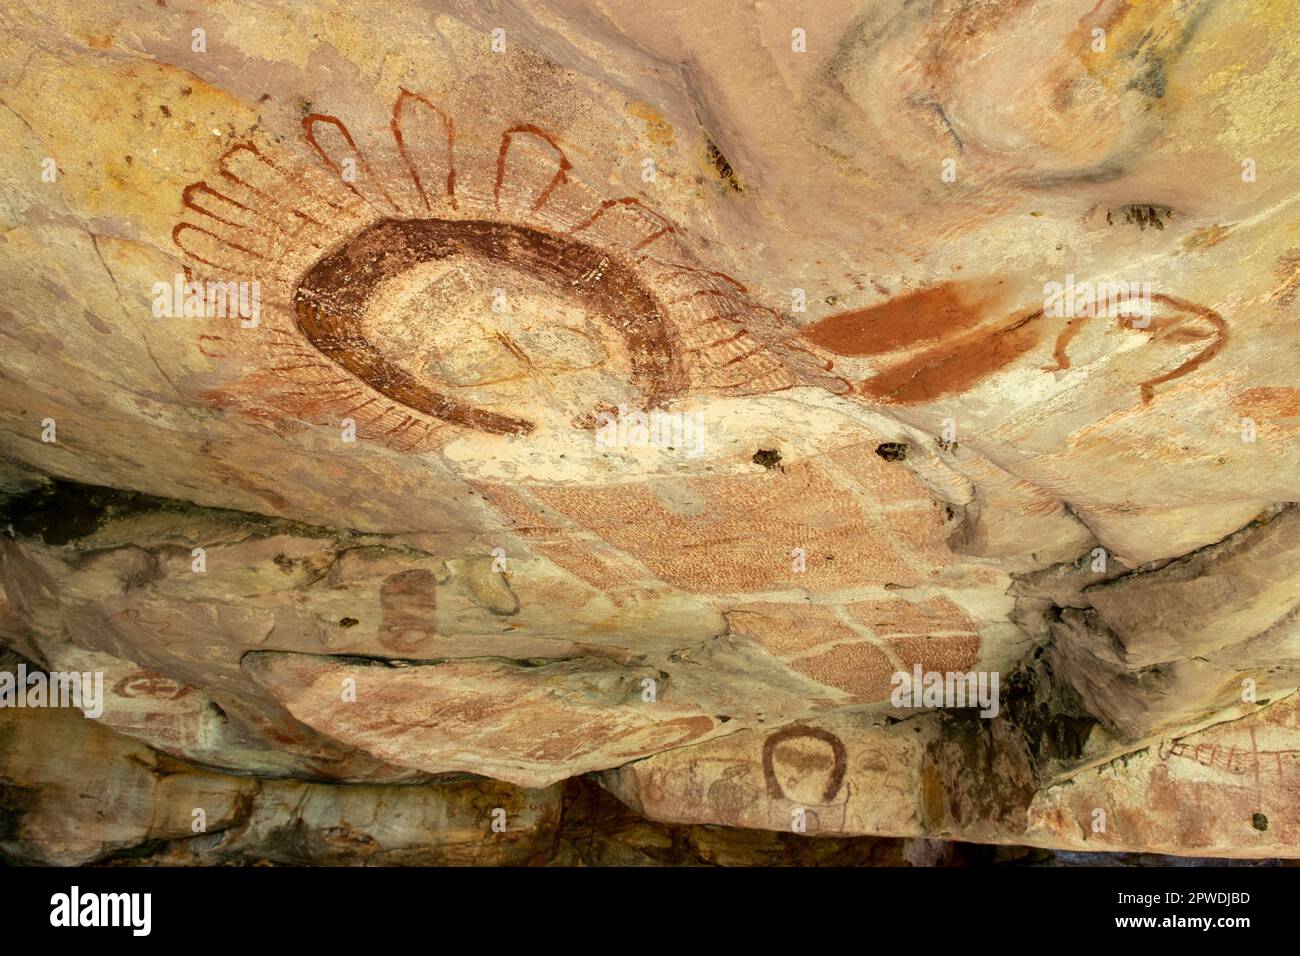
[839, 760]
[1238, 760]
[381, 262]
[149, 684]
[857, 647]
[1254, 753]
[427, 285]
[805, 768]
[378, 257]
[1188, 322]
[841, 776]
[802, 767]
[948, 343]
[1241, 774]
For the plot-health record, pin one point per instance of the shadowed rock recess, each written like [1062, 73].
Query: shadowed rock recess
[612, 432]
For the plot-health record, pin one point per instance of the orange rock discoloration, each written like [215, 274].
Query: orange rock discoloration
[1268, 402]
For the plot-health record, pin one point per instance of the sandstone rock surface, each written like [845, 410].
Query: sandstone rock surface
[636, 390]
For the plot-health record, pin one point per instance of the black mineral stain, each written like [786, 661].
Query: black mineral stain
[140, 851]
[1143, 215]
[1151, 80]
[15, 801]
[1259, 822]
[60, 512]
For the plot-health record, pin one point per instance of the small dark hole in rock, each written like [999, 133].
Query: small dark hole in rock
[720, 164]
[1259, 822]
[346, 622]
[769, 458]
[892, 450]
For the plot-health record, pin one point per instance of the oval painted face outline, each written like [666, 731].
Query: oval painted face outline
[331, 299]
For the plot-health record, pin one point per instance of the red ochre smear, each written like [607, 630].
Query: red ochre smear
[955, 365]
[945, 320]
[929, 315]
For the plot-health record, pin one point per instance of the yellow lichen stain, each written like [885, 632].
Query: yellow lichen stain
[658, 129]
[1255, 81]
[932, 799]
[1274, 15]
[128, 136]
[1205, 238]
[1143, 41]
